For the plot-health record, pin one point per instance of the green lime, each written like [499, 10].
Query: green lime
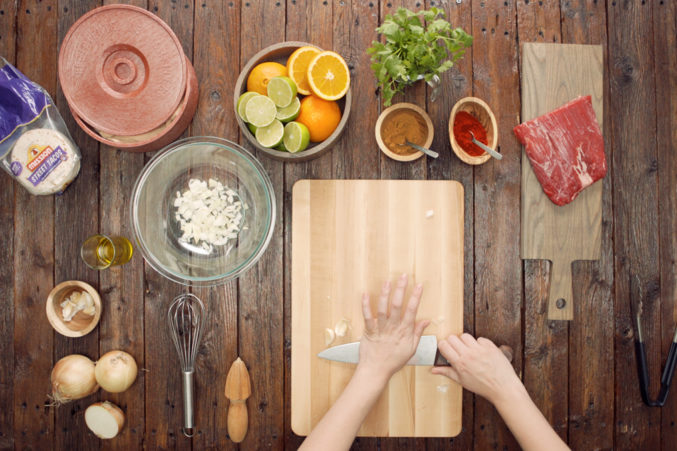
[282, 90]
[281, 147]
[291, 112]
[271, 135]
[260, 111]
[296, 137]
[252, 128]
[242, 103]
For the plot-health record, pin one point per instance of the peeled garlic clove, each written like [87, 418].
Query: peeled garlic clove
[89, 301]
[91, 310]
[80, 301]
[328, 336]
[67, 311]
[342, 327]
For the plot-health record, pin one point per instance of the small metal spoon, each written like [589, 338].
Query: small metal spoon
[430, 153]
[486, 148]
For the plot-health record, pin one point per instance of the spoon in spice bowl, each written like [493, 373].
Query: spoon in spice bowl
[486, 148]
[430, 153]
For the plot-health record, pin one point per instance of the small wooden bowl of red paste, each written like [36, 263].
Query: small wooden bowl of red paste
[472, 114]
[400, 123]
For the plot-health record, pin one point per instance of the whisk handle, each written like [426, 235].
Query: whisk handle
[188, 403]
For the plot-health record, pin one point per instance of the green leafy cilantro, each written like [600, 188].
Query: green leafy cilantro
[413, 51]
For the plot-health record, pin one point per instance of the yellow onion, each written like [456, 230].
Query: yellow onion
[73, 378]
[104, 419]
[115, 371]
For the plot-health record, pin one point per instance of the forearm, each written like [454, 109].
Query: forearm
[339, 426]
[527, 423]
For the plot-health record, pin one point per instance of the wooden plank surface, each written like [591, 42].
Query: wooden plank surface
[635, 200]
[561, 363]
[497, 270]
[665, 25]
[553, 74]
[351, 236]
[456, 84]
[8, 51]
[261, 290]
[34, 253]
[307, 21]
[591, 413]
[219, 343]
[75, 218]
[545, 341]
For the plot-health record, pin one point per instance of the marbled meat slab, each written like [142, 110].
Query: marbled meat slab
[565, 148]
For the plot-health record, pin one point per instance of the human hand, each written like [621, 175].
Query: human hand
[390, 339]
[479, 366]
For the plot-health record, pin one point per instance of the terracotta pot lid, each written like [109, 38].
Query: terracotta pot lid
[122, 70]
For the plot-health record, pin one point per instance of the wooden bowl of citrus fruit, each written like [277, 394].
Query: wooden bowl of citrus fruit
[292, 100]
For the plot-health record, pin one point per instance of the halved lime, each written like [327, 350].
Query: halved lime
[242, 103]
[291, 112]
[281, 147]
[282, 90]
[296, 137]
[252, 128]
[260, 111]
[271, 135]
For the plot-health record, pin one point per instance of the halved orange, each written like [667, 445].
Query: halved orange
[297, 67]
[328, 76]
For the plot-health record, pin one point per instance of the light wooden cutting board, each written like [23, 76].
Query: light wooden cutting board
[349, 236]
[553, 74]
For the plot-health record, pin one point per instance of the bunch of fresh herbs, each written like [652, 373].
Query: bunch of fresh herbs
[413, 51]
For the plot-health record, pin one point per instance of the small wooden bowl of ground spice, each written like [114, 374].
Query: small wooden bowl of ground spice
[400, 123]
[471, 114]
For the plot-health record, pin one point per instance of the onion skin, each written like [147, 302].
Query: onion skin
[73, 378]
[116, 371]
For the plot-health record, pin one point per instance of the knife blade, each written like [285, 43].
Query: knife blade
[426, 353]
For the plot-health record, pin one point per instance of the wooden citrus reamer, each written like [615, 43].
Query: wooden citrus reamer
[238, 389]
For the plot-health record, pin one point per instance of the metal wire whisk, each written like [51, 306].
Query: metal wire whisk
[186, 317]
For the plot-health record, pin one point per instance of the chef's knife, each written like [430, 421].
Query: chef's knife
[426, 353]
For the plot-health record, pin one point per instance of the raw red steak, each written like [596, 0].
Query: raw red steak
[565, 148]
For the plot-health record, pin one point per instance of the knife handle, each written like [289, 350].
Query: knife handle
[440, 360]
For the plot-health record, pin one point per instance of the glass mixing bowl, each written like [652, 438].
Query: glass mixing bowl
[157, 231]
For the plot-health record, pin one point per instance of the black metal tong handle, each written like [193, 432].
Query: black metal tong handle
[666, 377]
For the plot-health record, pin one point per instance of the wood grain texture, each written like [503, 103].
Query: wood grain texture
[349, 237]
[215, 116]
[395, 170]
[456, 84]
[554, 74]
[591, 413]
[357, 156]
[638, 228]
[261, 289]
[164, 408]
[76, 216]
[665, 44]
[308, 21]
[34, 256]
[497, 271]
[545, 341]
[7, 187]
[636, 245]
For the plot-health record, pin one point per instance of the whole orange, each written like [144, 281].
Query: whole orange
[261, 74]
[320, 116]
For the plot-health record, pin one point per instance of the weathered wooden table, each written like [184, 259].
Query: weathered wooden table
[581, 373]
